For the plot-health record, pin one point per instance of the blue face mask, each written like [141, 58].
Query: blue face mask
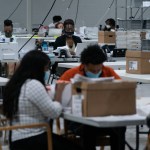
[93, 75]
[46, 75]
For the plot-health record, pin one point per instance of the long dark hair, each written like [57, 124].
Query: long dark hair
[31, 67]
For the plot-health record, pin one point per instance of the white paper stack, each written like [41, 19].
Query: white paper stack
[121, 39]
[134, 40]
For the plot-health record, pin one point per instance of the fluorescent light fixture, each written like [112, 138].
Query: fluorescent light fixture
[146, 4]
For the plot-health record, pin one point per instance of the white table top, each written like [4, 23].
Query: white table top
[9, 60]
[60, 60]
[114, 121]
[102, 44]
[115, 65]
[49, 39]
[3, 81]
[90, 41]
[108, 121]
[145, 78]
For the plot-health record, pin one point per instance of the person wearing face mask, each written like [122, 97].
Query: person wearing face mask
[110, 25]
[8, 37]
[92, 59]
[26, 101]
[68, 38]
[8, 32]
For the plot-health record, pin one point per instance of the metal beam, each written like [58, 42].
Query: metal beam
[29, 18]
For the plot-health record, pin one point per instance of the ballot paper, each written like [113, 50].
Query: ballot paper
[66, 99]
[80, 78]
[66, 94]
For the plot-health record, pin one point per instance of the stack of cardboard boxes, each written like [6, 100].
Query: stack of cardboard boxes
[137, 59]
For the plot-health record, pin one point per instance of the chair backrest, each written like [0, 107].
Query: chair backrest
[34, 125]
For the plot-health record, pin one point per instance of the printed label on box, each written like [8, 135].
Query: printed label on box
[133, 65]
[77, 104]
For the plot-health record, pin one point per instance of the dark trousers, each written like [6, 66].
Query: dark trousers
[39, 142]
[117, 137]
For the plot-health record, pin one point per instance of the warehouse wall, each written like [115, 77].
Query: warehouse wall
[90, 11]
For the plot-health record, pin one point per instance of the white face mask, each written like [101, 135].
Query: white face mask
[108, 26]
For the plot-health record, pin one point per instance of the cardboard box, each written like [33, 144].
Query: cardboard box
[107, 98]
[138, 62]
[106, 37]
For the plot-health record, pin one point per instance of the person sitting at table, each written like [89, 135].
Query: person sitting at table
[26, 101]
[59, 25]
[92, 59]
[56, 19]
[8, 37]
[68, 38]
[8, 32]
[110, 25]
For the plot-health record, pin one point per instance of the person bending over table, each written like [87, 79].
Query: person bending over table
[92, 59]
[26, 101]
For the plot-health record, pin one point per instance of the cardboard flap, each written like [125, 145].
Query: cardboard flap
[107, 33]
[117, 84]
[138, 54]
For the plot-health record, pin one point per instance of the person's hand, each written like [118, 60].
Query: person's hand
[60, 85]
[48, 88]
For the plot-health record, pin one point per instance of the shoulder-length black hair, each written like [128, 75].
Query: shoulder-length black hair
[31, 67]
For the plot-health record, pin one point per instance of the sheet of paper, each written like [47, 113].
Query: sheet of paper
[80, 78]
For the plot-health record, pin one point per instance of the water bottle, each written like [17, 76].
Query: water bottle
[45, 47]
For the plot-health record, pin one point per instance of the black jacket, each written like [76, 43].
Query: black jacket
[61, 41]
